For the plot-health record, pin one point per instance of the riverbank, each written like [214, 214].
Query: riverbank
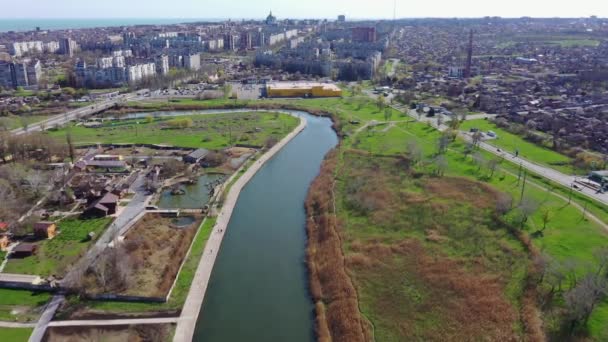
[190, 312]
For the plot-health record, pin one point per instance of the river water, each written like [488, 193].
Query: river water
[258, 289]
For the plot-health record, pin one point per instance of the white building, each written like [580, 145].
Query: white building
[138, 72]
[18, 49]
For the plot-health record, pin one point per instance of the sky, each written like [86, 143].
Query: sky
[254, 9]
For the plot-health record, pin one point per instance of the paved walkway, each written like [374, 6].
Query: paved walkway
[109, 322]
[17, 325]
[46, 318]
[194, 301]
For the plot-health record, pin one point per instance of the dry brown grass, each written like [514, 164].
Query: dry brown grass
[471, 304]
[331, 286]
[158, 250]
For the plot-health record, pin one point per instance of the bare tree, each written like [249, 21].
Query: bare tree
[504, 203]
[36, 180]
[479, 160]
[581, 300]
[492, 165]
[526, 208]
[477, 138]
[441, 164]
[442, 144]
[112, 270]
[601, 255]
[414, 151]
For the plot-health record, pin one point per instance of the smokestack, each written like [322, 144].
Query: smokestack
[467, 71]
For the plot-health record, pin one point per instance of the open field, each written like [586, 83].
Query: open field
[207, 131]
[20, 305]
[54, 257]
[423, 250]
[569, 238]
[15, 334]
[135, 333]
[563, 40]
[510, 142]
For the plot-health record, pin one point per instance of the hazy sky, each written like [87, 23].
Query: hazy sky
[238, 9]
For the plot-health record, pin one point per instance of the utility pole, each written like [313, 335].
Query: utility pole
[523, 188]
[519, 174]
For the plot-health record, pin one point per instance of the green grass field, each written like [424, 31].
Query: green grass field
[54, 257]
[510, 142]
[15, 334]
[20, 305]
[208, 131]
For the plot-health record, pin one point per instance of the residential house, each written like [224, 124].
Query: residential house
[24, 250]
[45, 230]
[102, 207]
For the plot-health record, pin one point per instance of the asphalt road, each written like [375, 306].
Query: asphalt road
[64, 118]
[547, 172]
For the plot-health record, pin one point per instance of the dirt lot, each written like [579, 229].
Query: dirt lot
[157, 248]
[130, 333]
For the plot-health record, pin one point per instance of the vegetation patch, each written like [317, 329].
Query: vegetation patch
[15, 334]
[21, 305]
[147, 261]
[56, 256]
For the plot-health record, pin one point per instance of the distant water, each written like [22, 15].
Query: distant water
[63, 24]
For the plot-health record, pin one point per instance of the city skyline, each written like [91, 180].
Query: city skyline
[190, 9]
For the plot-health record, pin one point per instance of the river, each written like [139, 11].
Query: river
[258, 289]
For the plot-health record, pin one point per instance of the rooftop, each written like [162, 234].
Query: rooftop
[302, 85]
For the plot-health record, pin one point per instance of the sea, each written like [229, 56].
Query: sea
[64, 24]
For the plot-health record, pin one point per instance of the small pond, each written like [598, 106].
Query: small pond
[195, 196]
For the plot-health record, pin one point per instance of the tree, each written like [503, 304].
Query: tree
[441, 164]
[112, 270]
[477, 138]
[504, 203]
[414, 152]
[492, 166]
[36, 180]
[380, 103]
[388, 113]
[479, 160]
[581, 300]
[526, 208]
[442, 143]
[468, 149]
[601, 256]
[546, 217]
[454, 123]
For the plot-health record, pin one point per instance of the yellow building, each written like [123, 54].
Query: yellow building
[4, 242]
[302, 89]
